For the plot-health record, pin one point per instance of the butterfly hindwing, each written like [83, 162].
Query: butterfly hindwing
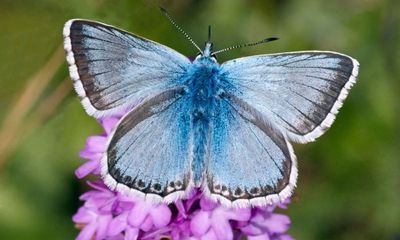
[300, 91]
[148, 152]
[113, 69]
[250, 161]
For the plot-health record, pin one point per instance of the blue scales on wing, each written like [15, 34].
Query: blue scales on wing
[250, 162]
[113, 69]
[300, 91]
[149, 151]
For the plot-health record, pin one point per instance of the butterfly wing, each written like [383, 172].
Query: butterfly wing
[149, 152]
[251, 163]
[300, 91]
[113, 69]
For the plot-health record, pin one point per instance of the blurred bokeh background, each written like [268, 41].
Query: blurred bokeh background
[349, 182]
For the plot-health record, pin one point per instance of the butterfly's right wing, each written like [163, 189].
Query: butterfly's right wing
[298, 91]
[113, 69]
[148, 153]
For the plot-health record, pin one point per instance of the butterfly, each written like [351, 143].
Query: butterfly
[225, 128]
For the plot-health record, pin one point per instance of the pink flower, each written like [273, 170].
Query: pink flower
[109, 215]
[213, 221]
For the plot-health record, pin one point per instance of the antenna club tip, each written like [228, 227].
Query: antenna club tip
[270, 39]
[163, 9]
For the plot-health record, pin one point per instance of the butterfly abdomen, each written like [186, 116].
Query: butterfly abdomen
[202, 87]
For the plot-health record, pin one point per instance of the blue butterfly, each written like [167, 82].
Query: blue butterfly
[223, 127]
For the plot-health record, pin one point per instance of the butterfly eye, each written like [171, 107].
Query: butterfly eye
[197, 56]
[214, 56]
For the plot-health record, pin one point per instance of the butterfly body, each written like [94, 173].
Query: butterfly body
[225, 128]
[202, 88]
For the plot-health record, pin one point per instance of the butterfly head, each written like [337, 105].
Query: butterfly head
[209, 45]
[208, 49]
[207, 52]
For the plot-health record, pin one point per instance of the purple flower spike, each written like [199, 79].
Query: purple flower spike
[108, 215]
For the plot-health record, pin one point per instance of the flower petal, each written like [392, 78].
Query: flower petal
[259, 237]
[83, 216]
[89, 155]
[138, 213]
[147, 224]
[239, 214]
[117, 225]
[131, 233]
[87, 232]
[277, 223]
[253, 230]
[161, 216]
[108, 124]
[100, 186]
[221, 227]
[96, 144]
[210, 235]
[200, 223]
[102, 226]
[86, 168]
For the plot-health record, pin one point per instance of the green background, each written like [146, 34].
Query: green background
[349, 180]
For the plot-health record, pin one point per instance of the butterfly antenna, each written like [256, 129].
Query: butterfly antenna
[246, 45]
[209, 33]
[179, 28]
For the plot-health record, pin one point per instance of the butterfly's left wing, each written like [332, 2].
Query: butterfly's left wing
[298, 91]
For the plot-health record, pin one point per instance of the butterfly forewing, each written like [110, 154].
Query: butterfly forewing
[113, 69]
[300, 91]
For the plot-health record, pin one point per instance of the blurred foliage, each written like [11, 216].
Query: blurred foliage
[349, 181]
